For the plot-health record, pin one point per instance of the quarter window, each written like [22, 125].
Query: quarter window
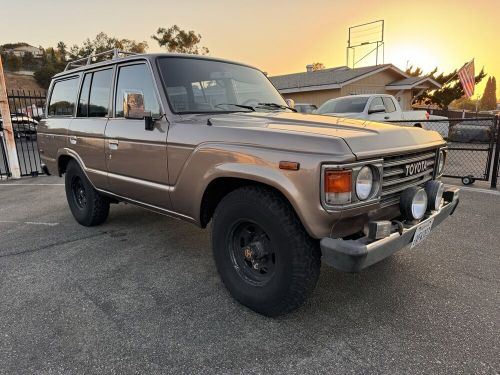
[63, 97]
[136, 78]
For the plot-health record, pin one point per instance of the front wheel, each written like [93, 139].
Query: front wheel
[263, 254]
[88, 207]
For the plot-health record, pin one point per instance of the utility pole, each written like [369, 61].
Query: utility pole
[7, 126]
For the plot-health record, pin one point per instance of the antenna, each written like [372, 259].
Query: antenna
[366, 39]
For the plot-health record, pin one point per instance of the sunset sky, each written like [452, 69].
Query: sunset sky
[277, 36]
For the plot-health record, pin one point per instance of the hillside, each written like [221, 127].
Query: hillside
[17, 81]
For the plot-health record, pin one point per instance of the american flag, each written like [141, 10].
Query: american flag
[466, 75]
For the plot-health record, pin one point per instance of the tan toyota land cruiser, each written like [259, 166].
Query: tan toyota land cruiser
[207, 140]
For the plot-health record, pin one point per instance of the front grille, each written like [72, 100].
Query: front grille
[394, 179]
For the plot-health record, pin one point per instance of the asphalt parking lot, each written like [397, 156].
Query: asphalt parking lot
[140, 294]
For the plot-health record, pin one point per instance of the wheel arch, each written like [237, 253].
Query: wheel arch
[62, 163]
[219, 187]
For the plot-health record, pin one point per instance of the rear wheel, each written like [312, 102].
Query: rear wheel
[88, 207]
[265, 258]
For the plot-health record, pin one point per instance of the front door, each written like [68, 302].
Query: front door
[136, 157]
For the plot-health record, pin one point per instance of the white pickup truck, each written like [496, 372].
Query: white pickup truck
[381, 107]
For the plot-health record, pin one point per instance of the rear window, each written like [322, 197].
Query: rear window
[344, 105]
[63, 98]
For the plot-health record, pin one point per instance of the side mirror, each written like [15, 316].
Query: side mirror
[133, 105]
[133, 108]
[379, 108]
[290, 103]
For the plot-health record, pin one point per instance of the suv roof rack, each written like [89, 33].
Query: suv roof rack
[115, 53]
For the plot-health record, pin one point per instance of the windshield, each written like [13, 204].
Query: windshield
[343, 105]
[201, 86]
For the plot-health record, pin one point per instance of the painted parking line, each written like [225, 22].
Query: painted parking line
[31, 185]
[28, 223]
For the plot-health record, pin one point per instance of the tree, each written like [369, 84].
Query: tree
[464, 103]
[28, 60]
[14, 62]
[317, 66]
[452, 88]
[174, 39]
[55, 60]
[417, 72]
[489, 98]
[62, 50]
[102, 42]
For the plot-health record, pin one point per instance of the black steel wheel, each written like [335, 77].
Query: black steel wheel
[88, 207]
[263, 254]
[252, 253]
[79, 194]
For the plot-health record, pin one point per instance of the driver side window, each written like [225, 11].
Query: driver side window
[136, 78]
[376, 102]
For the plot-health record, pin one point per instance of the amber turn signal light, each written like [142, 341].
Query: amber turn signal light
[338, 181]
[338, 186]
[290, 165]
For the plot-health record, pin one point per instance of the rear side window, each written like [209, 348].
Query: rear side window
[99, 93]
[63, 97]
[83, 102]
[389, 105]
[94, 95]
[136, 78]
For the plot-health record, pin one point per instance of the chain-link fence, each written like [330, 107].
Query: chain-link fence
[471, 145]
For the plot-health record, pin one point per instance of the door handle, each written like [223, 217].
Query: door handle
[72, 140]
[386, 118]
[113, 144]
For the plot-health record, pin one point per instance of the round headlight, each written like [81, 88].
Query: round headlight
[441, 162]
[413, 203]
[364, 183]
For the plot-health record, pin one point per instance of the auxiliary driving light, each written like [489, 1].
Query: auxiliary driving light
[441, 162]
[413, 203]
[434, 190]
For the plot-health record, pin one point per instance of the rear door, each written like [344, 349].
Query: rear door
[86, 135]
[53, 131]
[136, 157]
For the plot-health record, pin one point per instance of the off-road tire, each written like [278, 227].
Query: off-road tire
[96, 209]
[298, 256]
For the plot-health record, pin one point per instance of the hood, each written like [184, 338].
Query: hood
[365, 138]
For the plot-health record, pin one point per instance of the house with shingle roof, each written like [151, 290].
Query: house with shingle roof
[316, 87]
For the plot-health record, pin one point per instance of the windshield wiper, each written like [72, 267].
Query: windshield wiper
[237, 105]
[276, 105]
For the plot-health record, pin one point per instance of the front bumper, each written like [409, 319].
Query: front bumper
[355, 255]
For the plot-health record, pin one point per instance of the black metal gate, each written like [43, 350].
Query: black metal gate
[26, 110]
[4, 165]
[471, 145]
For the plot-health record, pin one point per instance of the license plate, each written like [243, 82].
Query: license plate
[421, 233]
